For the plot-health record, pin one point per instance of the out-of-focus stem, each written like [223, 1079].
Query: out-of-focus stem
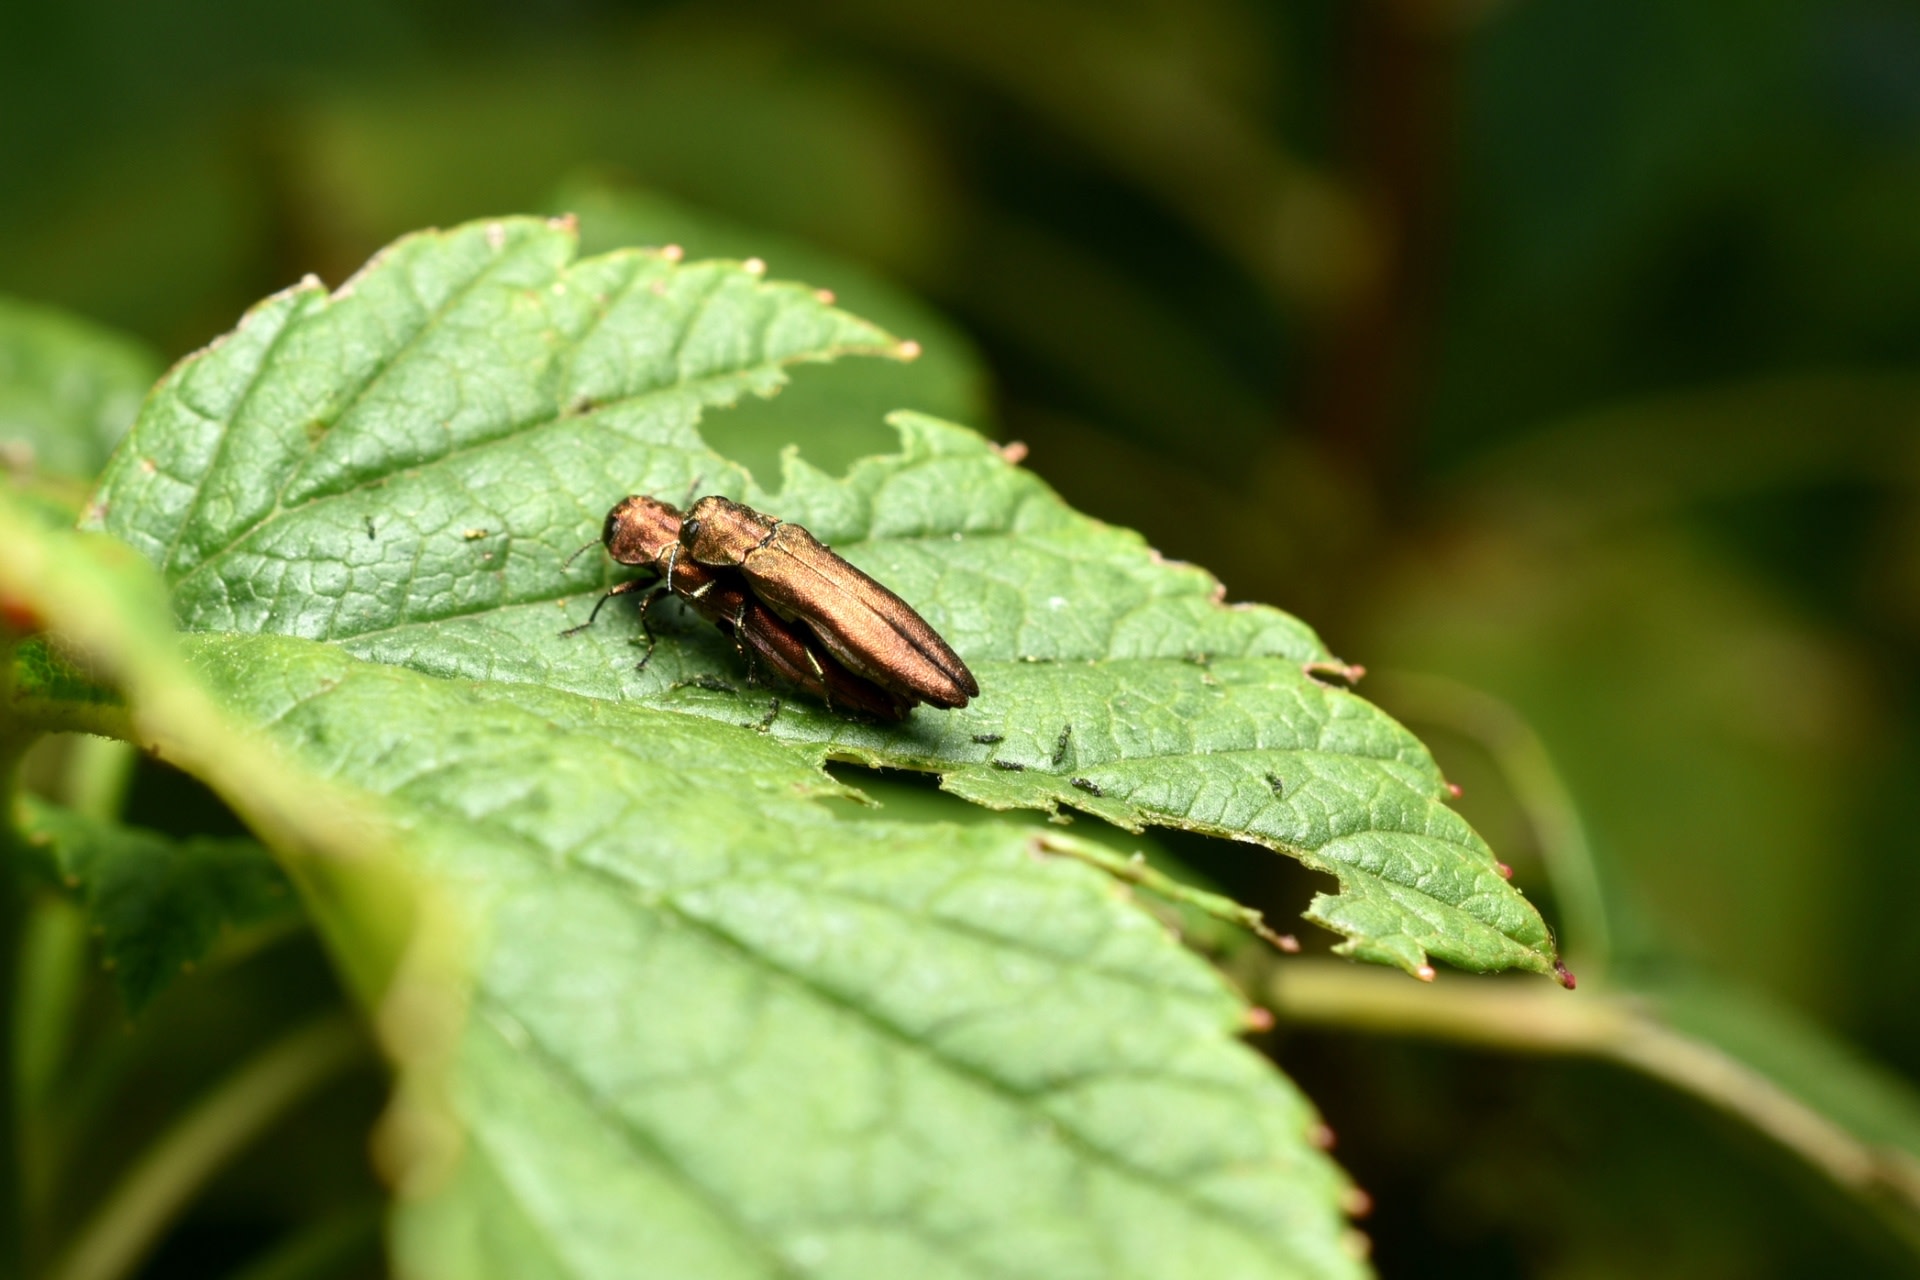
[1524, 1015]
[237, 1111]
[98, 776]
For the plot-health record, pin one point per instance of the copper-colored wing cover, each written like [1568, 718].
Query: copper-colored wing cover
[645, 531]
[872, 631]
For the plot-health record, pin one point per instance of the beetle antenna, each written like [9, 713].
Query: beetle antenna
[584, 548]
[691, 490]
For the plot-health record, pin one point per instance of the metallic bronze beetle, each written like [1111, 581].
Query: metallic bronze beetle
[645, 532]
[873, 632]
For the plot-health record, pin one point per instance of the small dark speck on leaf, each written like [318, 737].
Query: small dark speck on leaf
[987, 739]
[1089, 786]
[1011, 766]
[1060, 746]
[1274, 781]
[369, 528]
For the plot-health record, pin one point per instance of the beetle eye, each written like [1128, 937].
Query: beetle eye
[689, 531]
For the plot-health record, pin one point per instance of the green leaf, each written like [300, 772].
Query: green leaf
[404, 469]
[158, 905]
[68, 390]
[429, 441]
[710, 1023]
[713, 1018]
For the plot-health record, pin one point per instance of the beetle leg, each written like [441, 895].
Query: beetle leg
[646, 629]
[633, 584]
[826, 685]
[740, 645]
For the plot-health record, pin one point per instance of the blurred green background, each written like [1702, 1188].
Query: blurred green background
[1569, 352]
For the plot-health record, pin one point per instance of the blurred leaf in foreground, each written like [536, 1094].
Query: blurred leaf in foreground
[717, 1025]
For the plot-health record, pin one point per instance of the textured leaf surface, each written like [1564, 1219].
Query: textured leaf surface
[423, 443]
[718, 1031]
[158, 905]
[714, 1028]
[68, 390]
[403, 470]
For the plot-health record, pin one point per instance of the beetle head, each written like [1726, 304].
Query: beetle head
[718, 531]
[640, 529]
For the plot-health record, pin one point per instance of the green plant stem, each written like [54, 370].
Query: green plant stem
[98, 776]
[1519, 1015]
[48, 990]
[238, 1110]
